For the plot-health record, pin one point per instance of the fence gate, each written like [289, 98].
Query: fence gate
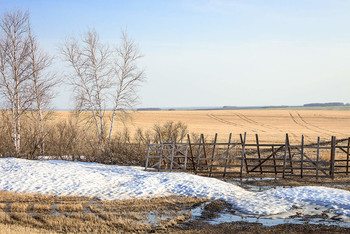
[219, 158]
[167, 156]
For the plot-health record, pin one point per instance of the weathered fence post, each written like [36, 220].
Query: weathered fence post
[186, 150]
[172, 156]
[331, 172]
[290, 155]
[317, 156]
[302, 156]
[274, 159]
[347, 157]
[199, 154]
[243, 153]
[213, 154]
[192, 158]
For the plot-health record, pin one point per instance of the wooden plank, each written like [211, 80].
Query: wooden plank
[256, 159]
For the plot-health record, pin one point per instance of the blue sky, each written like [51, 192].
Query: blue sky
[215, 53]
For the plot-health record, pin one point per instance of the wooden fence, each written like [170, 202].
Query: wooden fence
[321, 159]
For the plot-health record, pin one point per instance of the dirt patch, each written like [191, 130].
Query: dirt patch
[244, 227]
[214, 208]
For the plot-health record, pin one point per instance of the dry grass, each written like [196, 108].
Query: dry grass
[37, 213]
[18, 229]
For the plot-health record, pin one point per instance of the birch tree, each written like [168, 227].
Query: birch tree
[14, 69]
[43, 83]
[103, 77]
[91, 76]
[127, 76]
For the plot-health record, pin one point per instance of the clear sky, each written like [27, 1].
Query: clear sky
[214, 52]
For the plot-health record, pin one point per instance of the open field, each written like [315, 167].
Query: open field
[271, 125]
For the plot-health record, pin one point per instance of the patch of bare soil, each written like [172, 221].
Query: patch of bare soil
[245, 227]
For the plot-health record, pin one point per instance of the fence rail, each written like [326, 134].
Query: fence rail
[320, 159]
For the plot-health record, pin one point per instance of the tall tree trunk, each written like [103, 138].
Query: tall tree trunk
[42, 131]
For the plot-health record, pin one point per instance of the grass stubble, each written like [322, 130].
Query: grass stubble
[33, 213]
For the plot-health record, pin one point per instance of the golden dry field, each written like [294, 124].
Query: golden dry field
[271, 125]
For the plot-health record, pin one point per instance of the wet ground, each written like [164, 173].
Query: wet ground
[220, 217]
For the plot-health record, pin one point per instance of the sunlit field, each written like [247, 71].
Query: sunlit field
[271, 125]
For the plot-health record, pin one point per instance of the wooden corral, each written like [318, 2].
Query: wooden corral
[320, 159]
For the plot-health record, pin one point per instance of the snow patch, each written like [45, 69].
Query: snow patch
[112, 182]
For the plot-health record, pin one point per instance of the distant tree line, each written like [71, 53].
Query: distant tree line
[326, 104]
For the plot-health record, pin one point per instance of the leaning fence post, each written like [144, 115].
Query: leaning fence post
[274, 160]
[192, 158]
[290, 155]
[258, 148]
[243, 154]
[212, 156]
[199, 153]
[245, 159]
[185, 163]
[148, 146]
[284, 157]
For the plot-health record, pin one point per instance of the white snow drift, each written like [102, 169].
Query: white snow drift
[120, 182]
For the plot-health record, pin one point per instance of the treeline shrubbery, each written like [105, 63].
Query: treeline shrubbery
[75, 140]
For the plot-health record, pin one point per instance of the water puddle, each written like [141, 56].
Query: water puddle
[227, 217]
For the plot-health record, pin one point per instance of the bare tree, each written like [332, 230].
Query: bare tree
[14, 68]
[128, 77]
[103, 77]
[91, 76]
[43, 83]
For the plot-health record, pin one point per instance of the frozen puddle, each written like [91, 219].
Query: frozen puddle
[112, 182]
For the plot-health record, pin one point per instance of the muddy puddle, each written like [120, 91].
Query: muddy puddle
[227, 214]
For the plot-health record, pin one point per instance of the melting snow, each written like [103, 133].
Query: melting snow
[109, 182]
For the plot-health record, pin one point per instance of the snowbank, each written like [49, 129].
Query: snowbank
[109, 182]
